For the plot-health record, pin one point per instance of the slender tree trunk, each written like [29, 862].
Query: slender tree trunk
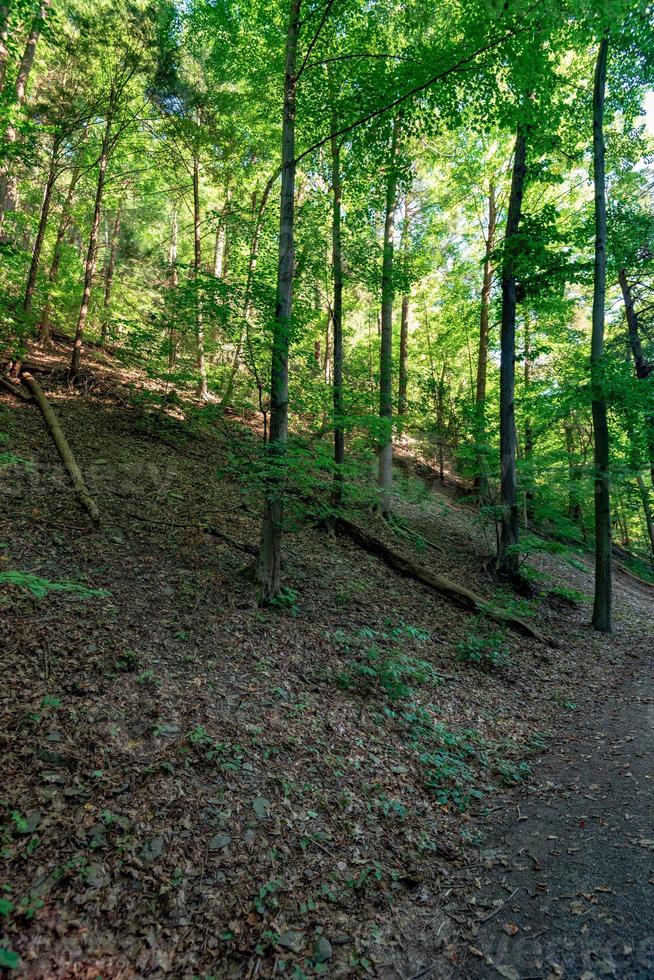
[221, 249]
[271, 532]
[574, 477]
[8, 178]
[203, 392]
[337, 321]
[529, 431]
[64, 222]
[174, 282]
[440, 422]
[647, 511]
[40, 234]
[109, 275]
[91, 253]
[403, 372]
[4, 37]
[508, 562]
[641, 364]
[249, 285]
[481, 477]
[385, 477]
[603, 571]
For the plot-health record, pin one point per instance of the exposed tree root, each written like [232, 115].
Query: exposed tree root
[452, 591]
[60, 441]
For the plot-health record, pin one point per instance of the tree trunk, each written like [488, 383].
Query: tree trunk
[481, 477]
[109, 275]
[440, 422]
[64, 222]
[337, 322]
[174, 281]
[40, 234]
[508, 561]
[647, 511]
[271, 532]
[91, 254]
[602, 602]
[221, 249]
[197, 273]
[529, 431]
[641, 364]
[403, 372]
[574, 478]
[4, 37]
[385, 477]
[249, 284]
[64, 450]
[8, 179]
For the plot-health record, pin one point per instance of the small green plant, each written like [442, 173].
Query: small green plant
[148, 678]
[41, 587]
[379, 661]
[127, 662]
[485, 652]
[226, 756]
[287, 599]
[512, 773]
[570, 596]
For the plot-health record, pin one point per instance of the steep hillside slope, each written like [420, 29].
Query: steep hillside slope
[193, 786]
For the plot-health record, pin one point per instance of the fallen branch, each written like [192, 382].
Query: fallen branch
[60, 441]
[627, 571]
[452, 591]
[249, 549]
[15, 389]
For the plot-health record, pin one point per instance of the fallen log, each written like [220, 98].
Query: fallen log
[450, 590]
[67, 458]
[15, 389]
[627, 571]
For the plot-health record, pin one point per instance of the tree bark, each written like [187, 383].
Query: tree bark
[647, 511]
[91, 253]
[271, 532]
[508, 562]
[197, 273]
[574, 477]
[109, 275]
[337, 322]
[60, 441]
[40, 234]
[445, 587]
[403, 367]
[529, 431]
[481, 477]
[64, 222]
[385, 475]
[4, 37]
[603, 572]
[642, 366]
[249, 285]
[8, 179]
[221, 249]
[174, 281]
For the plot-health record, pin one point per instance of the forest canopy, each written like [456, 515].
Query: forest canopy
[360, 225]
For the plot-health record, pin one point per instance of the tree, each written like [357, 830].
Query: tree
[603, 578]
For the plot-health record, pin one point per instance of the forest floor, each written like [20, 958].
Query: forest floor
[195, 787]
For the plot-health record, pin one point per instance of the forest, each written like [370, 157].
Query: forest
[327, 467]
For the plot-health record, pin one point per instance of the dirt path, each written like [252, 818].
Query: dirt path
[565, 881]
